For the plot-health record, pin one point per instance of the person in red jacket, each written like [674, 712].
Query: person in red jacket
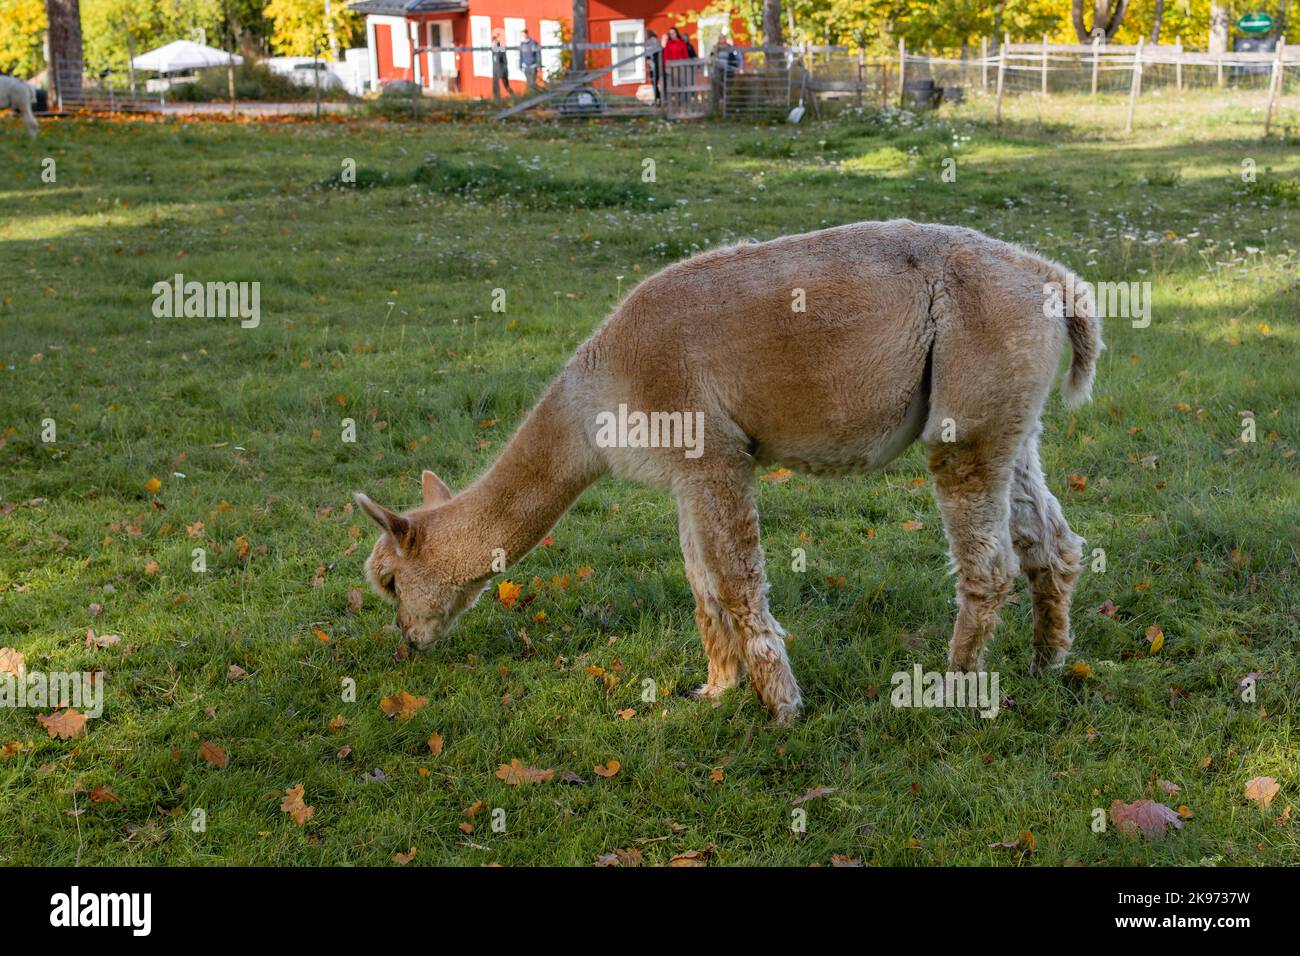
[676, 48]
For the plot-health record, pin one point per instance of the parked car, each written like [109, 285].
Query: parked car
[303, 71]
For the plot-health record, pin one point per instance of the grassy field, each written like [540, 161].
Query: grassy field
[377, 306]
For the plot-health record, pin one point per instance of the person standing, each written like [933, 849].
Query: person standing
[500, 67]
[676, 48]
[530, 59]
[654, 61]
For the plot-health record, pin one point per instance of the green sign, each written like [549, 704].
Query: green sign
[1259, 22]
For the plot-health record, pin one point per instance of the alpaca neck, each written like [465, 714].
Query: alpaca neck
[541, 472]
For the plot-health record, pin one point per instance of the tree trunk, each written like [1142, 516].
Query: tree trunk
[1218, 28]
[772, 23]
[1279, 28]
[1156, 21]
[1107, 15]
[65, 47]
[579, 34]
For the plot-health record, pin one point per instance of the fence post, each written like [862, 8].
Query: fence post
[1219, 78]
[902, 72]
[862, 77]
[1002, 72]
[1135, 87]
[230, 82]
[884, 84]
[1178, 67]
[1044, 64]
[1274, 83]
[984, 64]
[1096, 60]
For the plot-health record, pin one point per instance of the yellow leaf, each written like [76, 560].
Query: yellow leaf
[508, 592]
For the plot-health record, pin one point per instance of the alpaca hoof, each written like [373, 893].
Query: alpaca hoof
[708, 692]
[1046, 660]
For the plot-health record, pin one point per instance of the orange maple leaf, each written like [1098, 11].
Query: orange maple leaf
[508, 592]
[608, 769]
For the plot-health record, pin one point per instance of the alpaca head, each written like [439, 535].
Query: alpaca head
[414, 566]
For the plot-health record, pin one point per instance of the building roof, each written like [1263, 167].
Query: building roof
[398, 8]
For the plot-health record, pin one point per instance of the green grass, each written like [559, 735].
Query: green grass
[377, 306]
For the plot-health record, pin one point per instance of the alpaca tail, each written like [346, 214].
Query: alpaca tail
[1084, 328]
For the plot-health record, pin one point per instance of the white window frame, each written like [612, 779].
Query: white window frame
[480, 35]
[514, 32]
[551, 34]
[635, 73]
[707, 31]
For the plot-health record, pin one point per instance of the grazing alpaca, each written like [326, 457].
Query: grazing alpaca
[830, 352]
[14, 92]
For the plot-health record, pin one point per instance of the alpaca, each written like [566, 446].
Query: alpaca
[829, 352]
[14, 92]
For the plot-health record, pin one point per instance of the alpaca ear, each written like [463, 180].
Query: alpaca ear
[433, 488]
[394, 524]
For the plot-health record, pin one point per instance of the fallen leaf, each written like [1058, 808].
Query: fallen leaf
[508, 592]
[213, 754]
[607, 769]
[63, 724]
[294, 805]
[236, 672]
[404, 858]
[435, 744]
[11, 662]
[103, 793]
[691, 858]
[1155, 637]
[355, 599]
[403, 705]
[1262, 790]
[778, 475]
[515, 773]
[1146, 817]
[913, 525]
[153, 486]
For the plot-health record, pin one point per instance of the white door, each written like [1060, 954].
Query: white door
[444, 64]
[552, 63]
[628, 37]
[480, 37]
[514, 33]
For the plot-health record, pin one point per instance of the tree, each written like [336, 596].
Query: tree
[64, 18]
[579, 34]
[1107, 15]
[1155, 25]
[296, 24]
[21, 24]
[772, 23]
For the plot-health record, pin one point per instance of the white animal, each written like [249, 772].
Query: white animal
[18, 94]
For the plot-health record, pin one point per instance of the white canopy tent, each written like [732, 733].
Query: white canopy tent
[181, 56]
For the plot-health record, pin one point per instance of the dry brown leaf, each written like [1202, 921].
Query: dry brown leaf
[294, 805]
[11, 662]
[515, 773]
[213, 754]
[403, 705]
[1262, 790]
[435, 744]
[63, 724]
[102, 793]
[1147, 817]
[608, 769]
[401, 859]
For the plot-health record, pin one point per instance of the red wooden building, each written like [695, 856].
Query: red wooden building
[394, 28]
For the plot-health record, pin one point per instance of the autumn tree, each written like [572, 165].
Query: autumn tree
[1107, 15]
[21, 24]
[296, 24]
